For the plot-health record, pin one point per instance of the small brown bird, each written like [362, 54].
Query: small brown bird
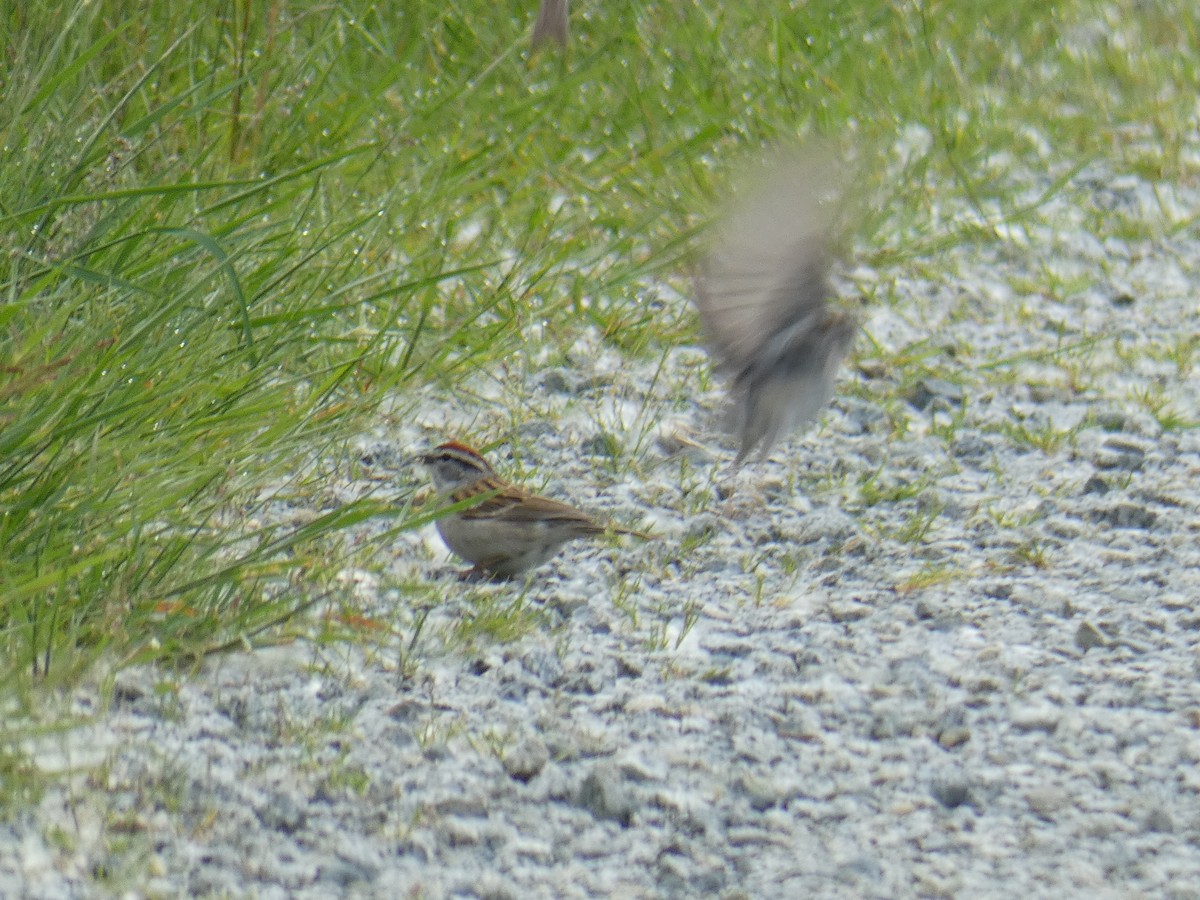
[762, 295]
[511, 529]
[551, 24]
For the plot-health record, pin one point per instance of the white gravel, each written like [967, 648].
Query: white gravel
[943, 645]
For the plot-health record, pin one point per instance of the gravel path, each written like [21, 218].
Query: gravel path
[942, 645]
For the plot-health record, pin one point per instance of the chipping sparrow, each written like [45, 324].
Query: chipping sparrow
[762, 295]
[551, 24]
[510, 530]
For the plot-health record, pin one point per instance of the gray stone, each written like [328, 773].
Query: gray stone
[526, 758]
[605, 795]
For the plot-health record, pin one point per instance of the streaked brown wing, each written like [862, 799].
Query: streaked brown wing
[516, 505]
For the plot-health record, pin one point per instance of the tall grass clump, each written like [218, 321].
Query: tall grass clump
[201, 293]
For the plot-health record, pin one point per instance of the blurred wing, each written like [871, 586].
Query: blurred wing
[551, 24]
[768, 268]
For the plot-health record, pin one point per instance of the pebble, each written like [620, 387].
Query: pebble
[951, 791]
[1088, 637]
[526, 758]
[1042, 717]
[927, 390]
[1047, 801]
[605, 794]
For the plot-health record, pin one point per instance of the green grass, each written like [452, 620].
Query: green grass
[232, 230]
